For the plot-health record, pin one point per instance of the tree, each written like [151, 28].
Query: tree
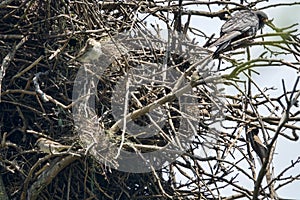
[144, 112]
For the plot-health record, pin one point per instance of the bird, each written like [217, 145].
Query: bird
[256, 144]
[91, 51]
[50, 146]
[244, 23]
[103, 51]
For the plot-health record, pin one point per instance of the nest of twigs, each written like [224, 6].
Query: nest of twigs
[39, 41]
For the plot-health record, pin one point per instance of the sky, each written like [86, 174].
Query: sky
[283, 16]
[286, 150]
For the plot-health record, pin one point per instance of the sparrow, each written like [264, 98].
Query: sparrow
[256, 144]
[91, 51]
[243, 24]
[49, 146]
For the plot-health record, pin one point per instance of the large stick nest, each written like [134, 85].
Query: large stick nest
[39, 44]
[62, 117]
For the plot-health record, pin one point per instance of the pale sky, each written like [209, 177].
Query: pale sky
[282, 17]
[286, 150]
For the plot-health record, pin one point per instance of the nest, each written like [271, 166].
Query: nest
[40, 41]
